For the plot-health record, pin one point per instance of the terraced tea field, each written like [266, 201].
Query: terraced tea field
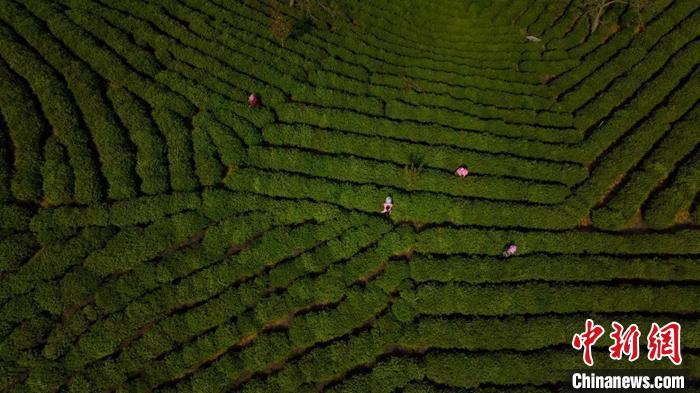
[158, 234]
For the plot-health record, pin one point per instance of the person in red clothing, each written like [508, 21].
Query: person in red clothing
[253, 100]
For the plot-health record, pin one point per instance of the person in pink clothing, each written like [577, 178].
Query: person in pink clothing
[253, 100]
[388, 205]
[462, 171]
[510, 250]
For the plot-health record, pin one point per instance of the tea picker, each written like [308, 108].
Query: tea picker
[253, 101]
[510, 250]
[462, 171]
[388, 205]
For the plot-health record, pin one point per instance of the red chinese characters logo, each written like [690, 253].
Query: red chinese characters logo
[586, 340]
[663, 342]
[625, 342]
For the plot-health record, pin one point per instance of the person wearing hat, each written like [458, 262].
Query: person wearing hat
[388, 205]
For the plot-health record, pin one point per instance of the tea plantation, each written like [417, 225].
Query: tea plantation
[160, 234]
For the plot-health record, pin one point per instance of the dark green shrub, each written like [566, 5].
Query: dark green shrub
[177, 137]
[151, 160]
[663, 207]
[540, 298]
[57, 175]
[23, 130]
[60, 112]
[402, 177]
[206, 160]
[440, 157]
[640, 182]
[228, 146]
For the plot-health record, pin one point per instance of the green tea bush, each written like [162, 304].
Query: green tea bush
[57, 174]
[141, 210]
[667, 47]
[107, 64]
[540, 298]
[337, 249]
[486, 112]
[111, 145]
[643, 139]
[151, 161]
[14, 218]
[416, 206]
[677, 197]
[626, 58]
[229, 147]
[180, 152]
[429, 133]
[220, 203]
[207, 315]
[208, 168]
[133, 245]
[61, 113]
[24, 127]
[385, 376]
[402, 177]
[474, 93]
[137, 57]
[439, 157]
[398, 110]
[491, 242]
[211, 100]
[176, 361]
[5, 166]
[641, 181]
[558, 267]
[53, 261]
[14, 249]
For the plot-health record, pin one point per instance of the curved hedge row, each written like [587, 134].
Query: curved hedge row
[490, 242]
[441, 157]
[24, 129]
[539, 298]
[558, 267]
[408, 177]
[151, 161]
[651, 172]
[663, 207]
[60, 112]
[415, 206]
